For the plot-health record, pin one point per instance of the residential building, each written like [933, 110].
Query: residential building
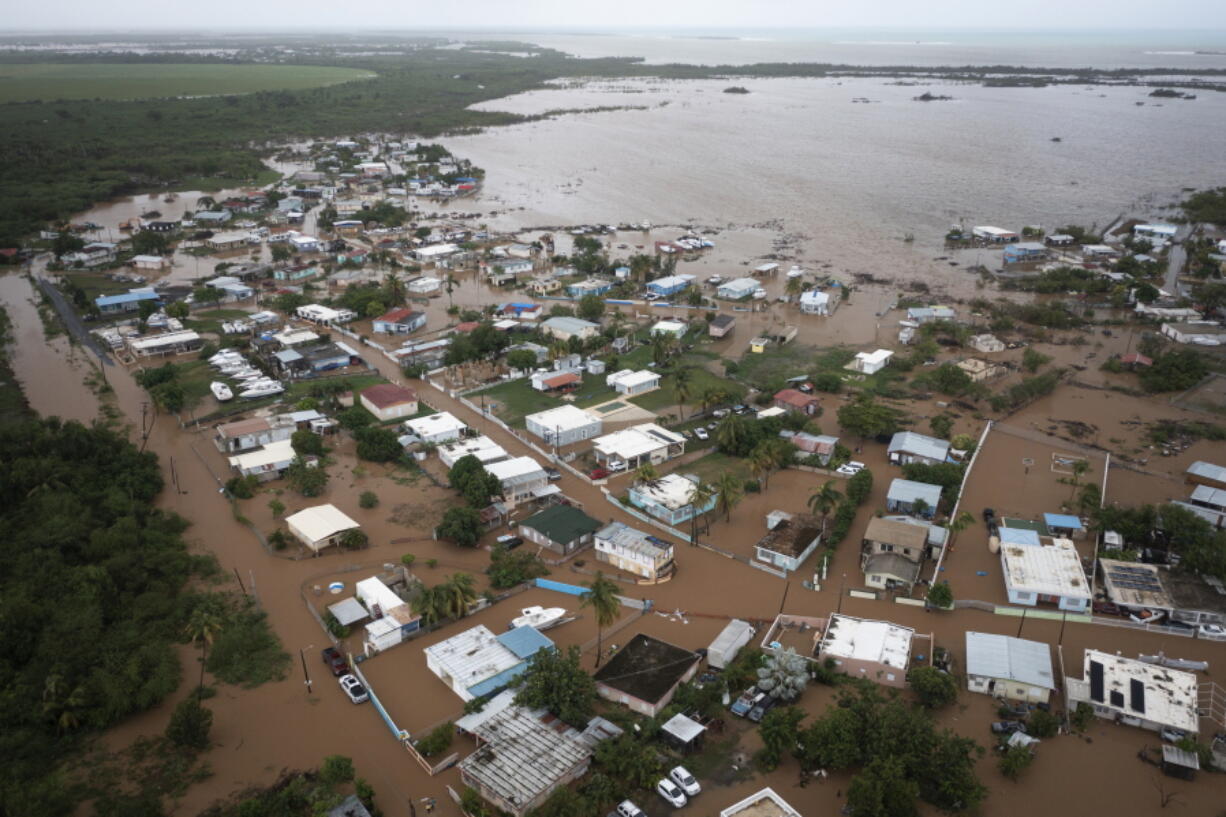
[928, 314]
[629, 383]
[591, 286]
[797, 401]
[996, 235]
[1010, 668]
[721, 325]
[425, 285]
[476, 662]
[1060, 240]
[1201, 333]
[638, 445]
[430, 353]
[435, 428]
[644, 674]
[564, 380]
[669, 498]
[303, 243]
[564, 529]
[150, 262]
[986, 344]
[211, 218]
[870, 362]
[671, 328]
[669, 285]
[765, 803]
[522, 479]
[324, 315]
[1209, 504]
[244, 435]
[1025, 252]
[738, 289]
[1206, 473]
[228, 241]
[892, 553]
[392, 619]
[1048, 573]
[544, 286]
[506, 270]
[790, 539]
[388, 401]
[980, 370]
[906, 496]
[267, 463]
[564, 328]
[1161, 232]
[909, 446]
[167, 343]
[1064, 525]
[863, 648]
[563, 425]
[295, 272]
[1135, 693]
[129, 301]
[818, 445]
[398, 322]
[633, 551]
[319, 527]
[483, 448]
[815, 302]
[522, 311]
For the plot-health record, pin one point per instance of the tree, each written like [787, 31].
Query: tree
[462, 525]
[147, 242]
[354, 418]
[1032, 359]
[555, 680]
[700, 495]
[867, 418]
[646, 473]
[627, 759]
[728, 492]
[206, 620]
[590, 308]
[378, 444]
[601, 597]
[683, 379]
[521, 359]
[779, 730]
[761, 463]
[307, 443]
[394, 290]
[509, 568]
[1015, 760]
[65, 243]
[336, 770]
[281, 253]
[860, 486]
[456, 594]
[823, 500]
[1174, 371]
[1080, 467]
[450, 282]
[940, 595]
[190, 724]
[883, 789]
[368, 500]
[832, 742]
[942, 425]
[732, 434]
[1042, 724]
[206, 295]
[353, 539]
[179, 310]
[306, 479]
[934, 688]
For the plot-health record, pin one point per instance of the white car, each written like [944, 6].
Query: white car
[850, 468]
[701, 433]
[671, 792]
[627, 809]
[353, 688]
[682, 777]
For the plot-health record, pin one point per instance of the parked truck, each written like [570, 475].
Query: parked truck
[728, 643]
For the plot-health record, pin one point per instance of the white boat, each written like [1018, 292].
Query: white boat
[1147, 616]
[263, 388]
[795, 272]
[542, 618]
[221, 391]
[225, 360]
[759, 294]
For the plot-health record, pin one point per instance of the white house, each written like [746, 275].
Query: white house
[400, 321]
[1160, 232]
[521, 478]
[265, 463]
[633, 551]
[738, 288]
[426, 285]
[303, 242]
[435, 428]
[1136, 693]
[636, 445]
[565, 327]
[476, 662]
[1047, 573]
[765, 803]
[482, 447]
[910, 446]
[629, 382]
[870, 362]
[388, 401]
[996, 235]
[320, 526]
[1011, 668]
[150, 262]
[863, 648]
[669, 498]
[666, 327]
[563, 425]
[1196, 333]
[815, 302]
[986, 344]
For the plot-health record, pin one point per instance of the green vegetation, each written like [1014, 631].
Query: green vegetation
[940, 595]
[1062, 280]
[448, 600]
[1206, 205]
[1174, 371]
[13, 405]
[1014, 760]
[462, 525]
[300, 794]
[190, 724]
[1030, 389]
[509, 568]
[475, 484]
[868, 418]
[935, 689]
[555, 680]
[437, 741]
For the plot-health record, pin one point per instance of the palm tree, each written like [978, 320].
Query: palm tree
[450, 283]
[728, 492]
[601, 596]
[682, 378]
[429, 605]
[646, 473]
[1079, 470]
[794, 286]
[761, 463]
[700, 495]
[394, 288]
[823, 500]
[959, 524]
[202, 627]
[731, 432]
[659, 348]
[205, 203]
[457, 593]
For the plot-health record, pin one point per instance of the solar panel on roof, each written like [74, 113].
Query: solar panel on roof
[1137, 695]
[1096, 681]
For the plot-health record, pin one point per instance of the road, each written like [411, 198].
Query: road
[1175, 258]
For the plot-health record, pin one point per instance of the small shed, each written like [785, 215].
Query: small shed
[684, 732]
[1063, 524]
[347, 611]
[1178, 762]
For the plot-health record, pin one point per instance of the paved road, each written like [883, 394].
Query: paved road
[72, 321]
[1175, 258]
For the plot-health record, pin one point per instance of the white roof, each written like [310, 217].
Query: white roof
[630, 378]
[1014, 659]
[746, 285]
[1208, 495]
[373, 592]
[1207, 470]
[673, 491]
[879, 356]
[1169, 698]
[636, 441]
[433, 424]
[483, 448]
[1050, 570]
[868, 640]
[165, 339]
[292, 337]
[515, 470]
[472, 656]
[814, 296]
[473, 721]
[987, 230]
[437, 250]
[318, 523]
[271, 454]
[149, 259]
[765, 803]
[682, 728]
[668, 326]
[563, 418]
[227, 238]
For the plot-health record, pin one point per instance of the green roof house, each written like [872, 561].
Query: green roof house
[563, 529]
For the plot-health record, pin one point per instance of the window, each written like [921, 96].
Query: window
[886, 548]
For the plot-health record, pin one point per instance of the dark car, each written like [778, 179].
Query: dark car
[988, 514]
[1008, 727]
[335, 661]
[759, 712]
[1107, 608]
[510, 542]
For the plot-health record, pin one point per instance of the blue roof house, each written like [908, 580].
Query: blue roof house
[126, 302]
[477, 663]
[669, 285]
[904, 494]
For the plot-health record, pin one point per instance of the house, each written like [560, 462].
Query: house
[544, 285]
[483, 448]
[644, 674]
[892, 553]
[818, 445]
[986, 344]
[1064, 525]
[564, 328]
[564, 529]
[765, 803]
[629, 383]
[995, 235]
[211, 218]
[267, 463]
[398, 322]
[392, 620]
[669, 498]
[758, 345]
[863, 648]
[295, 272]
[522, 756]
[683, 733]
[555, 380]
[388, 401]
[521, 479]
[425, 285]
[738, 289]
[909, 446]
[300, 242]
[521, 311]
[1060, 240]
[1206, 473]
[815, 302]
[638, 445]
[563, 425]
[476, 662]
[244, 435]
[1013, 669]
[161, 226]
[506, 270]
[590, 286]
[228, 241]
[1136, 693]
[324, 315]
[721, 325]
[435, 428]
[980, 370]
[1098, 252]
[913, 498]
[674, 329]
[320, 527]
[790, 539]
[870, 362]
[1161, 232]
[798, 401]
[669, 285]
[1199, 333]
[167, 343]
[150, 262]
[633, 551]
[1208, 503]
[929, 314]
[1048, 573]
[129, 301]
[1025, 252]
[430, 353]
[435, 253]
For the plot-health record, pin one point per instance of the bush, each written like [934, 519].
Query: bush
[378, 444]
[827, 382]
[336, 769]
[279, 539]
[509, 568]
[276, 506]
[308, 480]
[860, 486]
[752, 486]
[190, 724]
[1015, 760]
[1082, 716]
[844, 516]
[462, 525]
[934, 688]
[1042, 724]
[368, 500]
[246, 651]
[940, 595]
[335, 627]
[242, 487]
[437, 741]
[408, 559]
[307, 443]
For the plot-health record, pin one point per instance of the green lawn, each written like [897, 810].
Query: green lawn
[96, 283]
[701, 381]
[712, 465]
[25, 82]
[778, 363]
[514, 400]
[195, 376]
[211, 184]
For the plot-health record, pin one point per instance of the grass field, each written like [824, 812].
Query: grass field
[52, 81]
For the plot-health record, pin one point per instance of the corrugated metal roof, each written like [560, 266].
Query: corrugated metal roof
[908, 491]
[1013, 659]
[919, 444]
[1207, 470]
[524, 641]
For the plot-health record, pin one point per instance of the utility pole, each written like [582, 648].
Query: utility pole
[306, 675]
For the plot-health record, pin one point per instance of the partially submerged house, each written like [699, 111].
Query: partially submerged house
[797, 401]
[266, 463]
[892, 553]
[564, 529]
[476, 663]
[815, 302]
[522, 479]
[1136, 693]
[913, 498]
[320, 527]
[565, 327]
[817, 445]
[870, 362]
[789, 540]
[765, 803]
[1009, 668]
[398, 322]
[634, 551]
[863, 648]
[638, 445]
[721, 325]
[1051, 574]
[669, 498]
[986, 344]
[388, 401]
[563, 425]
[436, 428]
[644, 674]
[909, 446]
[483, 448]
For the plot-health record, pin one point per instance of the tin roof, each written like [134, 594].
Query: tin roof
[1014, 659]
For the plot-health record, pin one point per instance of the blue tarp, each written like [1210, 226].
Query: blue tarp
[1061, 520]
[1019, 536]
[497, 682]
[524, 641]
[561, 587]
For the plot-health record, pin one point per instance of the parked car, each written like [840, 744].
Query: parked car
[701, 433]
[598, 473]
[628, 809]
[1008, 727]
[615, 465]
[1172, 735]
[353, 688]
[759, 711]
[1212, 630]
[1107, 608]
[748, 699]
[988, 514]
[720, 413]
[682, 777]
[553, 473]
[335, 661]
[850, 468]
[1018, 710]
[671, 793]
[740, 408]
[510, 542]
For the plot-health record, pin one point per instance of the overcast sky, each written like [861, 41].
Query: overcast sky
[618, 14]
